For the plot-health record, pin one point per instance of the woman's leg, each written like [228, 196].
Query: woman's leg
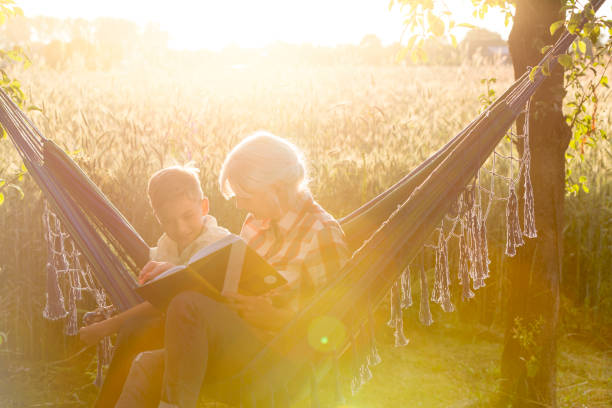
[135, 336]
[204, 341]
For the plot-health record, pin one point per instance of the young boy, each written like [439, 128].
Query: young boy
[181, 209]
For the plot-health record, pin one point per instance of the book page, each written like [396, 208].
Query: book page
[167, 273]
[209, 249]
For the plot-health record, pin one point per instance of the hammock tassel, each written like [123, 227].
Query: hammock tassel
[529, 211]
[99, 377]
[76, 272]
[72, 326]
[441, 291]
[480, 252]
[397, 321]
[424, 311]
[356, 380]
[529, 227]
[105, 346]
[355, 385]
[365, 340]
[514, 237]
[484, 250]
[373, 358]
[394, 304]
[105, 354]
[54, 308]
[406, 289]
[400, 337]
[464, 270]
[365, 372]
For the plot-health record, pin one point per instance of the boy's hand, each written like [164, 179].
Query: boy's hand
[152, 269]
[93, 333]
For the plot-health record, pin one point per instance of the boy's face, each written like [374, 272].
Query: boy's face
[181, 218]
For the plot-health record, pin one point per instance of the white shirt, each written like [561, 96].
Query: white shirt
[167, 248]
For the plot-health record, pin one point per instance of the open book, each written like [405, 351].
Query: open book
[224, 267]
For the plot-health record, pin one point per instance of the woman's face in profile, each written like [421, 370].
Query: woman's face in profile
[263, 204]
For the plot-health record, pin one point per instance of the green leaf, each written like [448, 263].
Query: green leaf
[411, 41]
[533, 72]
[566, 60]
[582, 46]
[1, 198]
[588, 28]
[604, 81]
[466, 25]
[436, 25]
[555, 26]
[453, 40]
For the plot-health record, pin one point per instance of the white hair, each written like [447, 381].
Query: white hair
[260, 162]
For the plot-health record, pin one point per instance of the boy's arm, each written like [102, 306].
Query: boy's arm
[95, 332]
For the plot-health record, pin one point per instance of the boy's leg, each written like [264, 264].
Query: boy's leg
[143, 384]
[135, 336]
[204, 340]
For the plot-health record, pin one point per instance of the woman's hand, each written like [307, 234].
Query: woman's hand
[95, 332]
[152, 269]
[259, 311]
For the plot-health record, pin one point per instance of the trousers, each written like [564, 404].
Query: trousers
[134, 337]
[205, 342]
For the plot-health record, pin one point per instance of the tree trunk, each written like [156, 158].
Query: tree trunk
[528, 365]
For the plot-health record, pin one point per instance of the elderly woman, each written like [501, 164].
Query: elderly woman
[206, 340]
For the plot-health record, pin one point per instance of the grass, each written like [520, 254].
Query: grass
[449, 364]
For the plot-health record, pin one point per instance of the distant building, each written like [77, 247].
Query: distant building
[498, 50]
[480, 42]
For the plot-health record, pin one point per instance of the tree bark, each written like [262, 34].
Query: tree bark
[528, 367]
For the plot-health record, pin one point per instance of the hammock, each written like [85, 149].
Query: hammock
[386, 234]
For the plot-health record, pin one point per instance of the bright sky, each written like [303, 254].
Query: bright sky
[249, 23]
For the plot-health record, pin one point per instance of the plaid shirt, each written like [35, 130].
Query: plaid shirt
[306, 246]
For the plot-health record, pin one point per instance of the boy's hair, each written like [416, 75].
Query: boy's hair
[172, 182]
